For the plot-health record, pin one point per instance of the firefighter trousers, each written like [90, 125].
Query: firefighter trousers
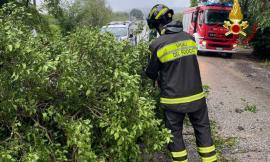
[200, 122]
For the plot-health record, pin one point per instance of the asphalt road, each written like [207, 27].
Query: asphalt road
[235, 85]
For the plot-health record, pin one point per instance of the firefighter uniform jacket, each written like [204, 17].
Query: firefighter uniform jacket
[174, 64]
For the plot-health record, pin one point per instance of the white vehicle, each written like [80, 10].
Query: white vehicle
[121, 30]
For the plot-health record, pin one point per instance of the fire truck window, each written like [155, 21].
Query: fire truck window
[200, 18]
[216, 16]
[194, 17]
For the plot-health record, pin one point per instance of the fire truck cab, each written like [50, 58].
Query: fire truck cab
[205, 23]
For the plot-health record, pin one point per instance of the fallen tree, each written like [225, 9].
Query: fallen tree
[73, 98]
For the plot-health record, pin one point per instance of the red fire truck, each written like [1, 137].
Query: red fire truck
[205, 23]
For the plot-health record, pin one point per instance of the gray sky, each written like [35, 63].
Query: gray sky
[124, 5]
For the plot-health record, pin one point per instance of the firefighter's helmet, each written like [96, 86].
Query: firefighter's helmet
[159, 15]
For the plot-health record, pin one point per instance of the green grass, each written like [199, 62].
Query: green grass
[267, 62]
[187, 122]
[206, 89]
[222, 143]
[242, 99]
[251, 108]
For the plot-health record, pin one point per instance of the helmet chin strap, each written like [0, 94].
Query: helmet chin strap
[161, 29]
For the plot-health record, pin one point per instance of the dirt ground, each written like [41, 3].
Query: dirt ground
[239, 103]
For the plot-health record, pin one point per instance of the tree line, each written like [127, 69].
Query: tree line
[65, 16]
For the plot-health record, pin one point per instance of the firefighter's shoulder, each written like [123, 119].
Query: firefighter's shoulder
[157, 43]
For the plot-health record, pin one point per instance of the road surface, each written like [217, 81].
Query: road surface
[235, 85]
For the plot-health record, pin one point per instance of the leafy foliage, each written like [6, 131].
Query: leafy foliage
[89, 13]
[178, 16]
[74, 98]
[35, 21]
[120, 16]
[261, 42]
[259, 11]
[193, 3]
[72, 14]
[137, 14]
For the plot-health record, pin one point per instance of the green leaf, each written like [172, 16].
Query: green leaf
[116, 135]
[17, 45]
[10, 48]
[24, 66]
[88, 92]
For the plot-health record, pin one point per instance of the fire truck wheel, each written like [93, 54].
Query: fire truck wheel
[201, 53]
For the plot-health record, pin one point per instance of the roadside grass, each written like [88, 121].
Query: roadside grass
[222, 143]
[206, 89]
[187, 123]
[249, 107]
[267, 62]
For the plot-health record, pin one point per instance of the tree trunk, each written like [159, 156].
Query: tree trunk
[35, 3]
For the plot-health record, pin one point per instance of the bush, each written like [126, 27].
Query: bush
[74, 98]
[261, 43]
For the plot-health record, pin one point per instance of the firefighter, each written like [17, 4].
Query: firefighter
[174, 64]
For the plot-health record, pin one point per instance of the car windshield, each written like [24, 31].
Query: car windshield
[117, 31]
[216, 16]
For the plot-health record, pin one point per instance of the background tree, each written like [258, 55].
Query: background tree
[193, 3]
[136, 13]
[88, 13]
[259, 14]
[79, 13]
[3, 2]
[178, 16]
[120, 16]
[95, 12]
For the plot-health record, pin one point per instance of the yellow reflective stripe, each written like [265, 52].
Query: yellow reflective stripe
[161, 12]
[179, 154]
[174, 46]
[152, 12]
[206, 149]
[178, 54]
[183, 99]
[209, 159]
[163, 31]
[180, 161]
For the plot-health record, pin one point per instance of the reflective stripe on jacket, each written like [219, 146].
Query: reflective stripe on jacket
[174, 64]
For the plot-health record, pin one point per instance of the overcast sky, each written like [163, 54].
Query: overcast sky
[123, 5]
